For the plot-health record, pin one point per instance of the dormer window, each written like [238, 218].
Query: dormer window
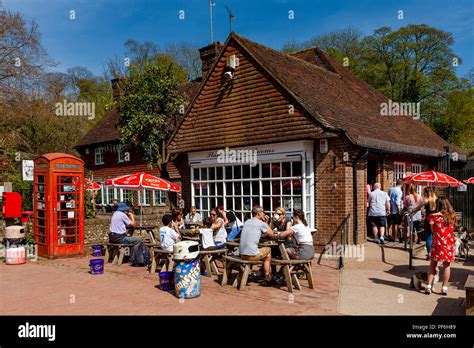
[99, 155]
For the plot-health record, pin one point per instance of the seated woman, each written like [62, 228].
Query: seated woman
[178, 221]
[302, 247]
[280, 222]
[219, 220]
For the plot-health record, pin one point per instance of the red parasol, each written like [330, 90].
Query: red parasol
[469, 181]
[142, 180]
[432, 178]
[90, 185]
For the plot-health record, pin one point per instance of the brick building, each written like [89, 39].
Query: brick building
[104, 157]
[317, 131]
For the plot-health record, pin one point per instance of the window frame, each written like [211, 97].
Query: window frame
[101, 152]
[305, 200]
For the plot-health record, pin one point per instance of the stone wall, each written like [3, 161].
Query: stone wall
[96, 230]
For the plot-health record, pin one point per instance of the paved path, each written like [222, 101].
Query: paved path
[373, 287]
[369, 287]
[64, 287]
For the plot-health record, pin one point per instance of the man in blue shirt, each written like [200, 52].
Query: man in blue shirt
[396, 204]
[122, 219]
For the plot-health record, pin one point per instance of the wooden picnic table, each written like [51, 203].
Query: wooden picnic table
[148, 228]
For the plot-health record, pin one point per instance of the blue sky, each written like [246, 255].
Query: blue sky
[102, 26]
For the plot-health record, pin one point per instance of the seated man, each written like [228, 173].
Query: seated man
[252, 231]
[122, 219]
[193, 217]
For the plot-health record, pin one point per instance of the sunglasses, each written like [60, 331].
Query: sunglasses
[213, 214]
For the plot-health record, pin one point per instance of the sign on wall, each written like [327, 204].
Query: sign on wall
[323, 146]
[27, 169]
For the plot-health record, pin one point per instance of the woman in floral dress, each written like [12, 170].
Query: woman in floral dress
[442, 249]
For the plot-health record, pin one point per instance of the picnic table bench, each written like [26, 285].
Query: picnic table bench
[243, 266]
[157, 255]
[292, 268]
[209, 258]
[117, 252]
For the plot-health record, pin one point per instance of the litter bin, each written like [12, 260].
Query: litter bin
[15, 252]
[187, 277]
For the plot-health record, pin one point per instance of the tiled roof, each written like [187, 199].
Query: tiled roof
[106, 130]
[339, 100]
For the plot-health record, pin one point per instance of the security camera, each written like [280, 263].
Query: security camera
[228, 75]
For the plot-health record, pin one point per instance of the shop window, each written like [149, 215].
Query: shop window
[240, 187]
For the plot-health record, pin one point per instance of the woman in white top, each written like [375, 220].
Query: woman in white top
[302, 248]
[219, 220]
[207, 235]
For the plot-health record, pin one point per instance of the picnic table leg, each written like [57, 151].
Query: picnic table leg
[225, 274]
[208, 265]
[170, 264]
[121, 255]
[237, 278]
[107, 255]
[214, 266]
[115, 255]
[309, 275]
[245, 277]
[286, 272]
[294, 279]
[153, 261]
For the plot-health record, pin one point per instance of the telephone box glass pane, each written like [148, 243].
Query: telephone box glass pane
[67, 211]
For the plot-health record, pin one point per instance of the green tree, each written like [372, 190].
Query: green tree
[150, 100]
[412, 64]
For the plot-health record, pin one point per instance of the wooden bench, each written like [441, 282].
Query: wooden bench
[243, 266]
[209, 258]
[293, 268]
[117, 252]
[469, 287]
[157, 254]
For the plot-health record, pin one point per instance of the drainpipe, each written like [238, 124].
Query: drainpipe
[354, 190]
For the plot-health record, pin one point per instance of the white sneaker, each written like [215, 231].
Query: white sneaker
[444, 290]
[377, 240]
[428, 289]
[382, 240]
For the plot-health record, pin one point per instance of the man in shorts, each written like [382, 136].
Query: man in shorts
[396, 204]
[379, 208]
[252, 231]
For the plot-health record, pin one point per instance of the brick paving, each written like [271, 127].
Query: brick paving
[64, 287]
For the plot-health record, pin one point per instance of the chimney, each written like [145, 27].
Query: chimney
[208, 55]
[116, 90]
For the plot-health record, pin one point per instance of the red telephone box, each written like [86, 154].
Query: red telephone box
[59, 205]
